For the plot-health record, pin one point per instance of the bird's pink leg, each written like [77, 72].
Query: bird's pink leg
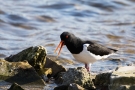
[87, 67]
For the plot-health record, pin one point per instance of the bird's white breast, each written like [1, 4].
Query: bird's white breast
[86, 56]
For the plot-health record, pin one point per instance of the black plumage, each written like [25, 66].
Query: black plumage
[98, 49]
[75, 45]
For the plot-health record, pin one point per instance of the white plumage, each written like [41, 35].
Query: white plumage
[87, 57]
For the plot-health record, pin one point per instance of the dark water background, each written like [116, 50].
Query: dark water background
[25, 23]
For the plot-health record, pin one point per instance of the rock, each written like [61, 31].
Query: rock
[19, 72]
[36, 56]
[71, 86]
[123, 77]
[56, 68]
[124, 87]
[102, 80]
[15, 86]
[47, 71]
[59, 79]
[79, 76]
[62, 87]
[74, 86]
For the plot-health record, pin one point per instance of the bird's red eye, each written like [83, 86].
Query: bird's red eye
[67, 36]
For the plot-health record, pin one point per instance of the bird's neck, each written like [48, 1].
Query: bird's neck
[75, 46]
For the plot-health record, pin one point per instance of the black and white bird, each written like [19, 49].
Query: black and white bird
[86, 51]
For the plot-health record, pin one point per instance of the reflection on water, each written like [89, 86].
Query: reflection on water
[31, 22]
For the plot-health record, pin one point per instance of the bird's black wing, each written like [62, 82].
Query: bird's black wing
[98, 49]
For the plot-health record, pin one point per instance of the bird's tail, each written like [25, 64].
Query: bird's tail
[114, 50]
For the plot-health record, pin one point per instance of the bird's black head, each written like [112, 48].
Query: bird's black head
[67, 37]
[73, 43]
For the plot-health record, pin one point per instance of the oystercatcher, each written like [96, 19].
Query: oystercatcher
[84, 51]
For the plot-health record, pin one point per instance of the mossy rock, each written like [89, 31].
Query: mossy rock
[36, 56]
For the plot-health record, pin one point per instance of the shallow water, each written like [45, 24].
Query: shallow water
[25, 23]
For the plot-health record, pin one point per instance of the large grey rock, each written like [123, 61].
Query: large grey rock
[123, 78]
[79, 76]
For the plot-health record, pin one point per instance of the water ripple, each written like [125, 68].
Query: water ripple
[16, 18]
[44, 18]
[32, 22]
[57, 6]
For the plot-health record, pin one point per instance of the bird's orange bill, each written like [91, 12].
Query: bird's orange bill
[61, 44]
